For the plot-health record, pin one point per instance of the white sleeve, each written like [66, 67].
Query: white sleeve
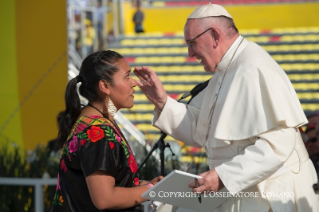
[177, 120]
[258, 161]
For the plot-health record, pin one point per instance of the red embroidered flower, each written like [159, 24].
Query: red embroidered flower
[111, 144]
[83, 142]
[136, 181]
[63, 167]
[95, 133]
[132, 163]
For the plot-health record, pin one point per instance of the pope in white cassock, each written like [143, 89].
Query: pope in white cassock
[247, 118]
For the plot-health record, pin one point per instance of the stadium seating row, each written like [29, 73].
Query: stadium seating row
[255, 32]
[258, 39]
[272, 49]
[179, 3]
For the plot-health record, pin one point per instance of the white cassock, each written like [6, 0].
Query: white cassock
[248, 118]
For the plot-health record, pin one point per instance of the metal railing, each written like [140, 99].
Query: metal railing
[38, 184]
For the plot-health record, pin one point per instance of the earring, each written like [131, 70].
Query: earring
[111, 108]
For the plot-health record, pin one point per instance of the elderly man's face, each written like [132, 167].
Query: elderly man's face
[202, 47]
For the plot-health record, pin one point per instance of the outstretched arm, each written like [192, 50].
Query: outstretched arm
[105, 195]
[151, 86]
[174, 118]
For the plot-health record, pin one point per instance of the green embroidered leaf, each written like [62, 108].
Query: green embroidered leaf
[126, 152]
[82, 136]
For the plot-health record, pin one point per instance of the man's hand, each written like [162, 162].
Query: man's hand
[209, 182]
[151, 86]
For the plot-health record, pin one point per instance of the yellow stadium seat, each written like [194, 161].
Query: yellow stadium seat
[124, 51]
[127, 42]
[152, 42]
[180, 33]
[165, 41]
[167, 59]
[178, 41]
[158, 4]
[278, 57]
[163, 69]
[179, 59]
[137, 51]
[141, 42]
[142, 60]
[154, 59]
[262, 39]
[150, 51]
[175, 69]
[162, 50]
[250, 32]
[176, 50]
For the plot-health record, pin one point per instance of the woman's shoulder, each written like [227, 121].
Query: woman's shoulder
[84, 123]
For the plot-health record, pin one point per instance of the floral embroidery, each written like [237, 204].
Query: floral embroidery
[73, 145]
[61, 199]
[132, 163]
[58, 183]
[118, 138]
[111, 145]
[95, 133]
[97, 128]
[66, 151]
[56, 196]
[58, 200]
[83, 142]
[63, 167]
[136, 181]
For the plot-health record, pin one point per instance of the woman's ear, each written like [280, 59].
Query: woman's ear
[104, 87]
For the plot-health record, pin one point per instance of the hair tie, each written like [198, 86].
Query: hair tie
[79, 78]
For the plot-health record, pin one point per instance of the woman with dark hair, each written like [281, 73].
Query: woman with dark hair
[97, 170]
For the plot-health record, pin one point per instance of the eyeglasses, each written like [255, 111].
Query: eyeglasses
[189, 43]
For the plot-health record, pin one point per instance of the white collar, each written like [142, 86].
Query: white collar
[223, 64]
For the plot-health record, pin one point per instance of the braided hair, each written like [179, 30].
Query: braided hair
[95, 67]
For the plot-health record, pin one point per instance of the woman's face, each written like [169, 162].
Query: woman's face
[122, 89]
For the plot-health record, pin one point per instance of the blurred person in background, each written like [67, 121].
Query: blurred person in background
[313, 118]
[310, 131]
[313, 147]
[247, 118]
[313, 150]
[100, 21]
[89, 36]
[97, 170]
[138, 18]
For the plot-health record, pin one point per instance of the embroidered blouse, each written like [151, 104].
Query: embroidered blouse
[94, 144]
